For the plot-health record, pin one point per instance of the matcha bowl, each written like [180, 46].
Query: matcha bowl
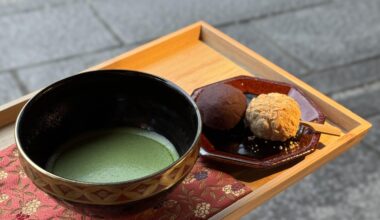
[108, 137]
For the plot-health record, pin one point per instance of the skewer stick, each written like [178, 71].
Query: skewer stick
[323, 128]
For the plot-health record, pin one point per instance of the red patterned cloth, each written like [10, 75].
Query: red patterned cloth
[202, 194]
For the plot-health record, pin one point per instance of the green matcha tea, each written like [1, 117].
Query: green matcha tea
[112, 155]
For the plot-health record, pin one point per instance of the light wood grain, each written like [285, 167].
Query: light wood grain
[153, 51]
[7, 136]
[190, 73]
[198, 55]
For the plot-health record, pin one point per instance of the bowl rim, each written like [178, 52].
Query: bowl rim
[105, 72]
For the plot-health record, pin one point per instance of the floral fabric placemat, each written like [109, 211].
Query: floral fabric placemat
[202, 194]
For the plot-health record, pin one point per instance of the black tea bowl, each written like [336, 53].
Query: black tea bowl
[99, 100]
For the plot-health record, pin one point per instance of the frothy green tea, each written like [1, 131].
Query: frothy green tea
[112, 155]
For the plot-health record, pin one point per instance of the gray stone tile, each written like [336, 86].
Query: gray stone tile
[338, 79]
[13, 6]
[48, 34]
[365, 102]
[328, 35]
[9, 89]
[373, 137]
[40, 76]
[347, 188]
[248, 35]
[146, 19]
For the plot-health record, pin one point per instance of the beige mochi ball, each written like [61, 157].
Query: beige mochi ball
[273, 116]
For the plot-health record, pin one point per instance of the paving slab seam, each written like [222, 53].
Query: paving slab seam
[19, 83]
[37, 8]
[358, 61]
[272, 14]
[357, 90]
[105, 24]
[66, 58]
[282, 50]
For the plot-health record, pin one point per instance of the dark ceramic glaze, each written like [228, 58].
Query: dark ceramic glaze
[107, 99]
[235, 145]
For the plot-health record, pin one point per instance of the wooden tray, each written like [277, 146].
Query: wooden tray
[198, 55]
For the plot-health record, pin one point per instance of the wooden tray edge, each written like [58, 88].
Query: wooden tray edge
[259, 65]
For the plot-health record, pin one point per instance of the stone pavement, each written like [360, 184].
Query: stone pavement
[334, 45]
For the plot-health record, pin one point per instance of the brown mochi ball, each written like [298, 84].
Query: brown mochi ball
[221, 106]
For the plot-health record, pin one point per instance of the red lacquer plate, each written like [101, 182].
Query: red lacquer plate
[231, 147]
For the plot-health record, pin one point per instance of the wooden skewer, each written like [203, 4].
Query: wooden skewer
[323, 128]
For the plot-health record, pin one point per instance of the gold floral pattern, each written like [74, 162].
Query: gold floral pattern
[227, 189]
[202, 210]
[21, 173]
[235, 190]
[3, 175]
[15, 152]
[189, 179]
[3, 197]
[31, 207]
